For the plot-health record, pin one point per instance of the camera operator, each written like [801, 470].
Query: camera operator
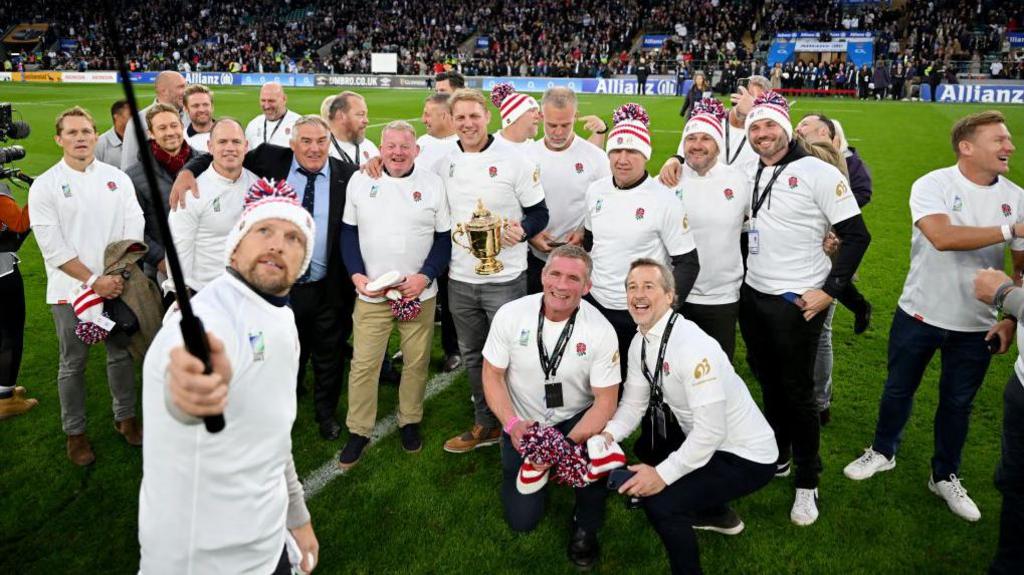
[14, 227]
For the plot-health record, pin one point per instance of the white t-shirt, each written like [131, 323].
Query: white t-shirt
[506, 181]
[77, 214]
[432, 150]
[716, 203]
[708, 398]
[397, 219]
[199, 141]
[218, 503]
[200, 229]
[646, 221]
[737, 151]
[939, 289]
[807, 198]
[349, 152]
[263, 131]
[566, 175]
[590, 359]
[523, 146]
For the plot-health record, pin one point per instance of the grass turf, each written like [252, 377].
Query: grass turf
[435, 512]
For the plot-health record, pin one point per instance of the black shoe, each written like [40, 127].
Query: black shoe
[352, 451]
[862, 319]
[411, 441]
[329, 429]
[825, 416]
[583, 548]
[727, 523]
[452, 362]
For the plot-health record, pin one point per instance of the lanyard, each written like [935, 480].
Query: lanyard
[757, 199]
[550, 364]
[655, 380]
[732, 157]
[344, 156]
[266, 139]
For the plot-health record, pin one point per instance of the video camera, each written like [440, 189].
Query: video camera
[14, 130]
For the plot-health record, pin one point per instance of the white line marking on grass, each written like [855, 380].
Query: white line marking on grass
[413, 120]
[329, 471]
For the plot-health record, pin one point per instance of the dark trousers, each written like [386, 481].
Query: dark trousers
[449, 341]
[852, 299]
[965, 359]
[1010, 482]
[534, 269]
[323, 330]
[724, 478]
[12, 327]
[625, 329]
[284, 565]
[782, 347]
[524, 512]
[718, 321]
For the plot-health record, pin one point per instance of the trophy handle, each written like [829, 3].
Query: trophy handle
[459, 231]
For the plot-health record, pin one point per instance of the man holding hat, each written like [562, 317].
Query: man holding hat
[226, 503]
[791, 282]
[629, 216]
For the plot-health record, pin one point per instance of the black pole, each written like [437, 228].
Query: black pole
[192, 330]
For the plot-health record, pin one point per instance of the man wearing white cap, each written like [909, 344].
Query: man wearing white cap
[790, 284]
[520, 115]
[717, 198]
[226, 503]
[629, 216]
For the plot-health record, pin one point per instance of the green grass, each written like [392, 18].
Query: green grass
[439, 513]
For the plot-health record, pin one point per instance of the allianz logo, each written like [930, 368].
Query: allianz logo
[210, 78]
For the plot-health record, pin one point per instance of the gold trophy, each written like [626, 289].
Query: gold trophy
[484, 232]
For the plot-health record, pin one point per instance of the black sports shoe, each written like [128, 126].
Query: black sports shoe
[825, 416]
[452, 362]
[329, 429]
[583, 548]
[352, 451]
[726, 523]
[411, 441]
[862, 318]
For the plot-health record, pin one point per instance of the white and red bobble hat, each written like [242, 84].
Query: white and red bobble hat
[708, 118]
[88, 305]
[268, 200]
[770, 106]
[511, 104]
[630, 131]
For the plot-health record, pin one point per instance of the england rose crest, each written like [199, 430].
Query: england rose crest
[111, 186]
[493, 171]
[1006, 210]
[579, 167]
[416, 196]
[639, 214]
[728, 193]
[793, 181]
[581, 349]
[665, 369]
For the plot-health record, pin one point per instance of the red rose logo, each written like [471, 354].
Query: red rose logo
[493, 171]
[111, 186]
[793, 181]
[1006, 210]
[416, 196]
[665, 369]
[639, 214]
[579, 167]
[728, 193]
[581, 348]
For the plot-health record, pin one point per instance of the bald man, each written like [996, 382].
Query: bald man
[274, 125]
[170, 90]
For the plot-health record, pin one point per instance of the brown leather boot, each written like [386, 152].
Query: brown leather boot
[131, 429]
[79, 450]
[16, 404]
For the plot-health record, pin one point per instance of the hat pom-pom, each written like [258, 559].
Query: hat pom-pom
[264, 188]
[499, 92]
[772, 97]
[406, 309]
[631, 111]
[710, 106]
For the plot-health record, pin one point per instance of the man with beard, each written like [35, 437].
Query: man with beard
[170, 91]
[199, 105]
[348, 118]
[274, 125]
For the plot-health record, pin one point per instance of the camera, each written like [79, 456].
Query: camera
[14, 130]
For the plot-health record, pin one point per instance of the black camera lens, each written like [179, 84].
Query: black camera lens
[11, 154]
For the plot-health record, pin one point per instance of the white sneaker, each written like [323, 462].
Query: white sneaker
[868, 464]
[805, 507]
[956, 497]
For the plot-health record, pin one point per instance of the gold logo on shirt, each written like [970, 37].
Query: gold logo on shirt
[703, 369]
[840, 189]
[686, 222]
[536, 175]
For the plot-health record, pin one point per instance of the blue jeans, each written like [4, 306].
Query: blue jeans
[965, 359]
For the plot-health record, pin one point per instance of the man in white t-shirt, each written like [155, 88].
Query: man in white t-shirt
[710, 442]
[348, 117]
[520, 115]
[200, 228]
[79, 206]
[226, 503]
[568, 165]
[790, 284]
[964, 216]
[396, 223]
[440, 139]
[630, 216]
[552, 359]
[717, 198]
[274, 125]
[496, 175]
[198, 102]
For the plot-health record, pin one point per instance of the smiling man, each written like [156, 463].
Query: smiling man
[274, 125]
[552, 358]
[964, 217]
[348, 118]
[198, 102]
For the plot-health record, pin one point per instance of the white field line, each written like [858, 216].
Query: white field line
[329, 471]
[412, 120]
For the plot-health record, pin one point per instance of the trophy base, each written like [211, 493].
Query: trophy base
[489, 266]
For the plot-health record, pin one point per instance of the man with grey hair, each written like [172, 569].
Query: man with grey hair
[568, 165]
[407, 208]
[348, 117]
[170, 90]
[322, 298]
[274, 125]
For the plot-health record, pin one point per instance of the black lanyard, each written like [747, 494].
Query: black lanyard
[655, 379]
[732, 157]
[757, 199]
[344, 156]
[550, 364]
[266, 139]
